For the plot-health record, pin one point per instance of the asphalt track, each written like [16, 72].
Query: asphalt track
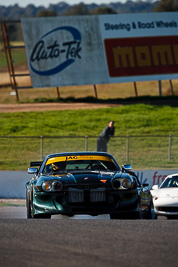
[85, 241]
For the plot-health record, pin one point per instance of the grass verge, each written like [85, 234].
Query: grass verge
[12, 202]
[149, 129]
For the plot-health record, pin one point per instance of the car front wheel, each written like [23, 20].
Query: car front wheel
[28, 204]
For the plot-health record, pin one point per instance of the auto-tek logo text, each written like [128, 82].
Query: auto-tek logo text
[55, 51]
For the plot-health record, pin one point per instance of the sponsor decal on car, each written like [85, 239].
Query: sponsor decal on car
[82, 157]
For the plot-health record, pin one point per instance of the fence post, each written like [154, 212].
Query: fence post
[41, 147]
[86, 143]
[169, 150]
[127, 148]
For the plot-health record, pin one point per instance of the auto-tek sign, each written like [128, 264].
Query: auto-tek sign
[78, 50]
[52, 50]
[64, 51]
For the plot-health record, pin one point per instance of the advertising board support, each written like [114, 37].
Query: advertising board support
[135, 88]
[95, 90]
[58, 93]
[171, 87]
[160, 88]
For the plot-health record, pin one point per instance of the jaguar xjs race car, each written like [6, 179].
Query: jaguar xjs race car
[85, 183]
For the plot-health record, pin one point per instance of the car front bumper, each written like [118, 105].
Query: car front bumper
[92, 202]
[166, 206]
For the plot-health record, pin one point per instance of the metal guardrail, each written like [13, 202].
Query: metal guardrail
[148, 149]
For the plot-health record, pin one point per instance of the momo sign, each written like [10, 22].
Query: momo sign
[140, 47]
[64, 51]
[60, 54]
[142, 56]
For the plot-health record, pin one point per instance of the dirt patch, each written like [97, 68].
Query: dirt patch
[51, 106]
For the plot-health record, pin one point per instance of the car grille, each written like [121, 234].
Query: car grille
[75, 195]
[97, 195]
[93, 195]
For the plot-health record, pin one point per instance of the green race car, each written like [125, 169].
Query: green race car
[85, 183]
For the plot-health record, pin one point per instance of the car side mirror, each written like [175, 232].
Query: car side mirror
[32, 170]
[155, 187]
[145, 188]
[126, 167]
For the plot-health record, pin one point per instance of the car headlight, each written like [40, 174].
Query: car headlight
[121, 183]
[57, 186]
[47, 186]
[116, 183]
[52, 186]
[126, 183]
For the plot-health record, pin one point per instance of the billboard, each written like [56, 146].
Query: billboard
[64, 51]
[78, 50]
[141, 56]
[140, 47]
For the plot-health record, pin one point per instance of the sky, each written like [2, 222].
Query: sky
[46, 3]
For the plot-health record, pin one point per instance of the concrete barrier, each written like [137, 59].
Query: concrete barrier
[12, 183]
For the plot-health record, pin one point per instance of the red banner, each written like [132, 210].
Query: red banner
[142, 56]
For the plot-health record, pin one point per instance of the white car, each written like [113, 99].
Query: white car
[165, 197]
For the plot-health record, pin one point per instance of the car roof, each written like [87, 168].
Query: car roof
[172, 175]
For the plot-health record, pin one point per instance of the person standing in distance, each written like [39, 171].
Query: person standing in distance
[104, 137]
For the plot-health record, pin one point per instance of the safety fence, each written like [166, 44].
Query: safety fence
[144, 151]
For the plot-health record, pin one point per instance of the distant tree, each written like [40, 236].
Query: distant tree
[79, 9]
[15, 12]
[46, 13]
[30, 11]
[167, 6]
[103, 10]
[59, 8]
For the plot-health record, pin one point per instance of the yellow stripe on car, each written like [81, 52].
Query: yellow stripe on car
[78, 157]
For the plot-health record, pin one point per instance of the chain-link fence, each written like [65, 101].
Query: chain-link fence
[144, 152]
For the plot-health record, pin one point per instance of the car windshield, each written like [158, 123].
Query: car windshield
[95, 163]
[170, 182]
